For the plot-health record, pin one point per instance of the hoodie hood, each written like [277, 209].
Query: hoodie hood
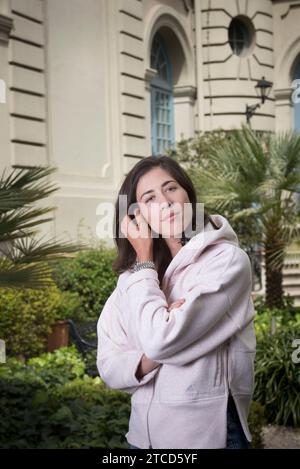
[196, 245]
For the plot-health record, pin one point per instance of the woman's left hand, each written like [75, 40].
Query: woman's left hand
[176, 304]
[139, 235]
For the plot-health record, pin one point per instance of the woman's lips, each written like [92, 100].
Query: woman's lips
[171, 216]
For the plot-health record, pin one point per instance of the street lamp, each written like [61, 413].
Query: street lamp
[262, 88]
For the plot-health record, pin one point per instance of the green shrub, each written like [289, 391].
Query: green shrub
[268, 319]
[277, 377]
[90, 364]
[256, 422]
[90, 275]
[70, 306]
[49, 402]
[52, 369]
[26, 317]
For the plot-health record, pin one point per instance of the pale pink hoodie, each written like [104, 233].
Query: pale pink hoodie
[204, 347]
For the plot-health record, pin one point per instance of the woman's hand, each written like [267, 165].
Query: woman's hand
[176, 304]
[145, 366]
[139, 235]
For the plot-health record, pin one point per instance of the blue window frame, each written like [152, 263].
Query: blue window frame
[296, 75]
[162, 112]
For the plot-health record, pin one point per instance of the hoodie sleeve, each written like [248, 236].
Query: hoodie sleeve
[117, 362]
[217, 306]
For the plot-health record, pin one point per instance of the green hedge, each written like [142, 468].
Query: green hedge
[26, 317]
[256, 421]
[49, 402]
[267, 319]
[277, 376]
[90, 275]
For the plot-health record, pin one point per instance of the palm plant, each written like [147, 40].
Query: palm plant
[25, 260]
[254, 180]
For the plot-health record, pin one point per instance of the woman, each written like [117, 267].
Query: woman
[177, 332]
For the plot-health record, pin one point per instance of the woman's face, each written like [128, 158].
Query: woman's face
[155, 191]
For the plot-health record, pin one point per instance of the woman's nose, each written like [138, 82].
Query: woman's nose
[165, 203]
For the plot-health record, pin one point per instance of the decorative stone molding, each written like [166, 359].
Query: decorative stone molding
[283, 95]
[185, 91]
[284, 108]
[150, 73]
[6, 24]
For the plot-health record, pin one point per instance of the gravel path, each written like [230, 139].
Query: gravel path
[275, 436]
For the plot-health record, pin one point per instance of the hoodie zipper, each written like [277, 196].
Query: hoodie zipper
[150, 446]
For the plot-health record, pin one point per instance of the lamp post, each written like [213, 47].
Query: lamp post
[262, 88]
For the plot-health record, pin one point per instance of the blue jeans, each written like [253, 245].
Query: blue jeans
[236, 438]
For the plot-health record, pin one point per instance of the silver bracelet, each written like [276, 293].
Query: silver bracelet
[143, 265]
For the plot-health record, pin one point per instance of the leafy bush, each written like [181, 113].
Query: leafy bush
[90, 364]
[50, 369]
[70, 306]
[189, 150]
[256, 422]
[26, 317]
[271, 319]
[50, 403]
[90, 275]
[277, 377]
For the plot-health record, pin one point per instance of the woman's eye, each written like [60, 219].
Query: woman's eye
[169, 188]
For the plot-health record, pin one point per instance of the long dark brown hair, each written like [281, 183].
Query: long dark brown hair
[161, 252]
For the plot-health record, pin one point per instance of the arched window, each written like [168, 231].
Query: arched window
[162, 115]
[296, 76]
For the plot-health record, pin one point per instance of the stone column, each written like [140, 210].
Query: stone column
[184, 111]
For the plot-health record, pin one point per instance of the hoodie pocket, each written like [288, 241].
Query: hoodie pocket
[195, 380]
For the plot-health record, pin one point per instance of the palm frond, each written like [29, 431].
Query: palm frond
[32, 250]
[25, 260]
[25, 276]
[24, 186]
